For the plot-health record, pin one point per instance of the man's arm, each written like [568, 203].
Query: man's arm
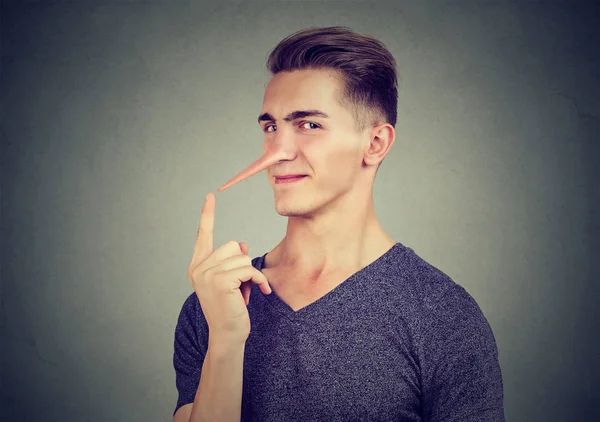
[219, 393]
[461, 374]
[209, 367]
[183, 413]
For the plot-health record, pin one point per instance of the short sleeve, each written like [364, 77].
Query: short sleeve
[190, 345]
[461, 374]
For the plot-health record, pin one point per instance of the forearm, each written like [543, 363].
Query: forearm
[219, 394]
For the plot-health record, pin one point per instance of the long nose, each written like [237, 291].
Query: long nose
[273, 153]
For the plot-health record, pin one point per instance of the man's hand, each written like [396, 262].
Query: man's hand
[221, 280]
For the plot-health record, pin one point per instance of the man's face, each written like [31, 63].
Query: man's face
[302, 114]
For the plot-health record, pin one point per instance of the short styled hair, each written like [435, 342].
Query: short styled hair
[365, 65]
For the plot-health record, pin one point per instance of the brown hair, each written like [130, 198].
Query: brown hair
[366, 66]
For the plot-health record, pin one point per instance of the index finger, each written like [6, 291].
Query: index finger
[205, 236]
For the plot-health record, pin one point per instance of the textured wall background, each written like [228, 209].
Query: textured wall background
[118, 117]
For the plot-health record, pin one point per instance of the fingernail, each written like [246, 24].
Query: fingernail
[207, 196]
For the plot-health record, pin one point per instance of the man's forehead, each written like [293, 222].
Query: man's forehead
[301, 90]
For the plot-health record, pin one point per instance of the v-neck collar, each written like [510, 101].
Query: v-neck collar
[326, 301]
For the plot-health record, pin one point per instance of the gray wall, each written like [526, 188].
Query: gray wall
[118, 118]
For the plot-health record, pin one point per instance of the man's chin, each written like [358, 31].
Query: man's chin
[290, 211]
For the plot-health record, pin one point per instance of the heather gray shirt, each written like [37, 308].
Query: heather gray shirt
[396, 341]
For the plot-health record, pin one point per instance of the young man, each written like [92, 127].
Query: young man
[346, 323]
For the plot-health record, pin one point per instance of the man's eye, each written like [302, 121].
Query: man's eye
[270, 128]
[310, 125]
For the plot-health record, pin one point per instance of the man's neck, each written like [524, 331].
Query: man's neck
[331, 244]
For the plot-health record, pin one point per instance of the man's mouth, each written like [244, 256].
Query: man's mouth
[288, 179]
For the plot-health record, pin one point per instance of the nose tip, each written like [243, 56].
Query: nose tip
[270, 157]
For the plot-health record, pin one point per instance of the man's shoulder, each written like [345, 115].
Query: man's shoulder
[407, 277]
[191, 315]
[191, 303]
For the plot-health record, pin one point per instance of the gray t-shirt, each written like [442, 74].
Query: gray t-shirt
[396, 341]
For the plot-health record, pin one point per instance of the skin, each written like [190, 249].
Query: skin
[332, 228]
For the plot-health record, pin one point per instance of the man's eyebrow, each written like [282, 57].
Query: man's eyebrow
[297, 114]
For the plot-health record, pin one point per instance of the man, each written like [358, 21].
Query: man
[338, 322]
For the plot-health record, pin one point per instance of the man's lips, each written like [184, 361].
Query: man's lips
[288, 179]
[290, 176]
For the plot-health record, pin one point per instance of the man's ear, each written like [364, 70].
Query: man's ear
[381, 139]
